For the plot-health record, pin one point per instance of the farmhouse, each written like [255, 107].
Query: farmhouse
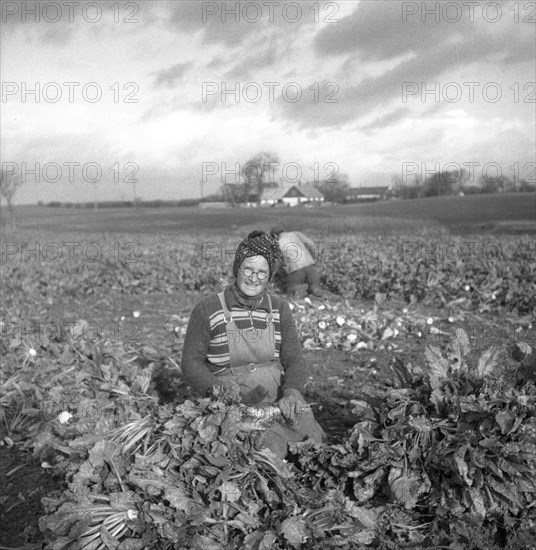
[292, 195]
[362, 194]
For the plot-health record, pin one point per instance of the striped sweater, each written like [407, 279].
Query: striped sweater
[206, 348]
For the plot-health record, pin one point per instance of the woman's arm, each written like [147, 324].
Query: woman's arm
[194, 354]
[291, 354]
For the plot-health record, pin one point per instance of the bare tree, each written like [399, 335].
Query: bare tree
[258, 173]
[408, 189]
[230, 193]
[9, 184]
[335, 189]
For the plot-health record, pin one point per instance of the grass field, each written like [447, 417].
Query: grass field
[499, 213]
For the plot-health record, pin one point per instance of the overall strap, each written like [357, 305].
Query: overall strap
[226, 312]
[269, 317]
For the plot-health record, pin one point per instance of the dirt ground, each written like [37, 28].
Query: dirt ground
[23, 482]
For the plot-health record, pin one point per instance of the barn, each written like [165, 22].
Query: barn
[292, 195]
[365, 194]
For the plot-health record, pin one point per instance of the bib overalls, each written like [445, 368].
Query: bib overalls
[259, 374]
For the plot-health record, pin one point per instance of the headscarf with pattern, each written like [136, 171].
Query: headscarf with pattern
[258, 243]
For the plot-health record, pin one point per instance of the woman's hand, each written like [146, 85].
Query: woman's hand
[292, 405]
[231, 386]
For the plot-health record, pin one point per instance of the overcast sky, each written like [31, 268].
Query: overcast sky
[361, 68]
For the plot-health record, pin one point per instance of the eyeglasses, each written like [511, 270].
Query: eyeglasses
[248, 272]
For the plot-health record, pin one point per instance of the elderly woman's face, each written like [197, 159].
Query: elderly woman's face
[253, 276]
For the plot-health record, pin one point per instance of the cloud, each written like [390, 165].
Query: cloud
[60, 23]
[194, 16]
[258, 60]
[375, 31]
[159, 110]
[385, 52]
[186, 16]
[169, 77]
[380, 31]
[223, 23]
[58, 35]
[388, 119]
[216, 63]
[54, 34]
[312, 110]
[65, 147]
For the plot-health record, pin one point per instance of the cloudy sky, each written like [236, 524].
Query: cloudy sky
[121, 97]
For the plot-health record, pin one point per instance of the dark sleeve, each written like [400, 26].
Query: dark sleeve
[194, 354]
[291, 354]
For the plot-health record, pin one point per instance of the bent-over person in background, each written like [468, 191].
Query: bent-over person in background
[298, 261]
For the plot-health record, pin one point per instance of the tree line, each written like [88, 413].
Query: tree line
[443, 183]
[257, 178]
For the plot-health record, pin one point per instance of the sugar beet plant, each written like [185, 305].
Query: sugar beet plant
[456, 437]
[471, 274]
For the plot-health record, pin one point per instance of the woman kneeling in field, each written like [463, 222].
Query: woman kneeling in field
[246, 338]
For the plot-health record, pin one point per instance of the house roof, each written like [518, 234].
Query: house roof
[307, 191]
[373, 190]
